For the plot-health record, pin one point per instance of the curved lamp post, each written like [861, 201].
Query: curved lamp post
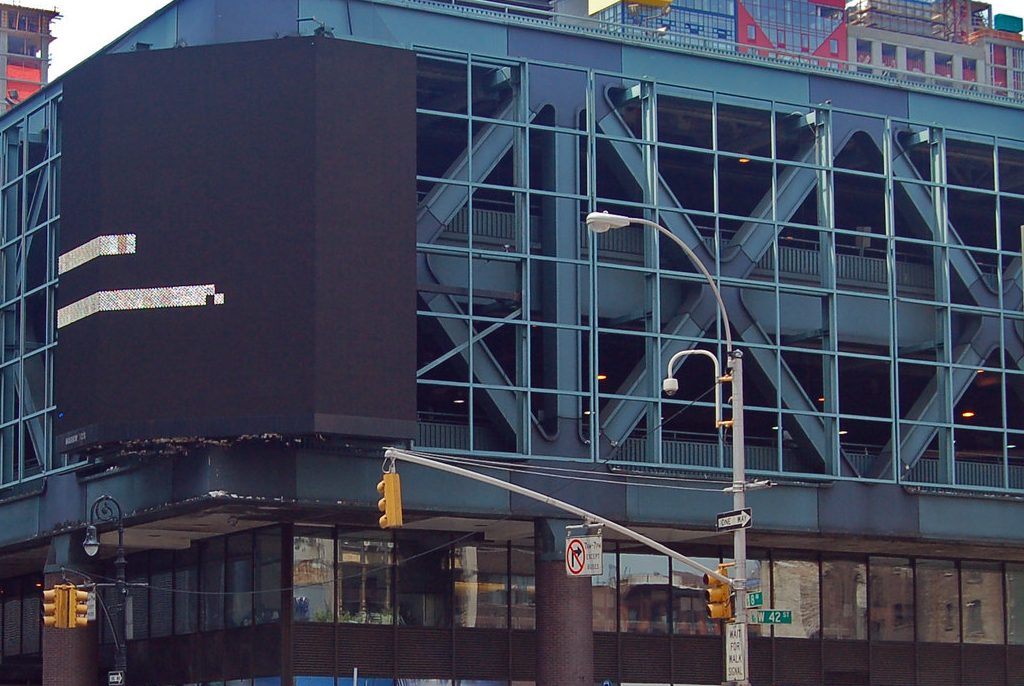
[602, 222]
[106, 509]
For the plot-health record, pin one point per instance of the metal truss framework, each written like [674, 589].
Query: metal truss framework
[809, 177]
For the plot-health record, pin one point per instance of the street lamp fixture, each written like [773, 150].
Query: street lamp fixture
[91, 544]
[106, 509]
[602, 222]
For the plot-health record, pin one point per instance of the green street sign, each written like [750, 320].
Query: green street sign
[771, 617]
[755, 599]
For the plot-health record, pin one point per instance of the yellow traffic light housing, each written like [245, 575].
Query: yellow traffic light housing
[719, 595]
[55, 612]
[390, 503]
[78, 608]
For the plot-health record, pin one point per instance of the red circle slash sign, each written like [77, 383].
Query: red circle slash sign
[575, 556]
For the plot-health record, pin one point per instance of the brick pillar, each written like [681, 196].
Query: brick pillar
[565, 636]
[69, 655]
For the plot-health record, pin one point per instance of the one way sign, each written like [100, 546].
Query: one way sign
[736, 519]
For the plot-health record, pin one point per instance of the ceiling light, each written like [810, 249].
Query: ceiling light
[980, 371]
[843, 432]
[458, 401]
[967, 414]
[602, 377]
[744, 160]
[586, 413]
[821, 399]
[775, 428]
[1011, 446]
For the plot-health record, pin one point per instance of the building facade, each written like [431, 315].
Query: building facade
[251, 244]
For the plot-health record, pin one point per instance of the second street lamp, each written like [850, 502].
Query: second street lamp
[106, 509]
[601, 222]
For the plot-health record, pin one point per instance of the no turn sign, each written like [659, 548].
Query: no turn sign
[583, 556]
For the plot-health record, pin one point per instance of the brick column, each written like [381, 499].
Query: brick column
[69, 655]
[565, 636]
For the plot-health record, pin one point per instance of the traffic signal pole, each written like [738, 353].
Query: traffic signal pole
[392, 454]
[739, 502]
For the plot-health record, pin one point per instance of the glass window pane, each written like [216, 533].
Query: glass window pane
[161, 593]
[481, 586]
[524, 589]
[938, 612]
[643, 593]
[424, 580]
[268, 575]
[795, 587]
[239, 580]
[891, 599]
[313, 575]
[186, 583]
[844, 594]
[211, 583]
[365, 579]
[604, 591]
[982, 591]
[689, 606]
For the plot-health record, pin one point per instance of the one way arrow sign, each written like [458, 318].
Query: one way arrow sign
[736, 519]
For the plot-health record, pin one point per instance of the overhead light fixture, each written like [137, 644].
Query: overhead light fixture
[775, 428]
[821, 399]
[744, 160]
[980, 371]
[967, 414]
[843, 432]
[586, 413]
[1011, 446]
[459, 401]
[602, 377]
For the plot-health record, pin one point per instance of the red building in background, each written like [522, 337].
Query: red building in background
[811, 27]
[24, 51]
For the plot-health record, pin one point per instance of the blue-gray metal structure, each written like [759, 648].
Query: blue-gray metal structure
[866, 235]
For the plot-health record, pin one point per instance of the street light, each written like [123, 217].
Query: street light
[602, 222]
[106, 509]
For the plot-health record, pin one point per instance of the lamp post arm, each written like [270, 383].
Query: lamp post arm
[670, 373]
[703, 270]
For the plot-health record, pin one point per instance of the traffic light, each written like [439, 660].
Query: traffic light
[78, 608]
[55, 612]
[719, 595]
[390, 503]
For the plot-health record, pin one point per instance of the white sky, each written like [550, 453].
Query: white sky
[87, 25]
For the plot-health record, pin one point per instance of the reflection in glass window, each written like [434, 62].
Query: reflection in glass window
[844, 594]
[643, 593]
[759, 579]
[982, 587]
[524, 589]
[689, 607]
[891, 599]
[313, 575]
[186, 583]
[239, 580]
[481, 586]
[211, 584]
[365, 560]
[604, 592]
[268, 575]
[938, 604]
[795, 587]
[424, 580]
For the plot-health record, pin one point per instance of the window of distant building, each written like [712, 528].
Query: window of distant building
[751, 32]
[833, 46]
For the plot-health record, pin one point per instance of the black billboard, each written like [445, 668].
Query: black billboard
[237, 249]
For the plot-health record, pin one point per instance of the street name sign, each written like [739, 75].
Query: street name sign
[755, 599]
[770, 617]
[735, 652]
[735, 519]
[583, 556]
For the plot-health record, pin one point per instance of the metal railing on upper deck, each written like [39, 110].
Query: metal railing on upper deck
[659, 36]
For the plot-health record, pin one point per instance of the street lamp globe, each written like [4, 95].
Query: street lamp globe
[91, 544]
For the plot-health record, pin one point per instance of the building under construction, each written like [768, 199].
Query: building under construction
[24, 51]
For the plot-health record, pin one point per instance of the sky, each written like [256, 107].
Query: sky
[88, 25]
